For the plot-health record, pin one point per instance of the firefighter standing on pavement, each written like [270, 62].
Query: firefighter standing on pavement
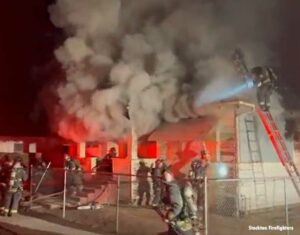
[177, 215]
[158, 187]
[74, 175]
[5, 169]
[196, 178]
[143, 183]
[39, 168]
[194, 191]
[14, 188]
[39, 163]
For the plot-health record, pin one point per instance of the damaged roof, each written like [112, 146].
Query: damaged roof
[199, 128]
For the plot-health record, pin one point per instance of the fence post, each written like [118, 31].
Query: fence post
[118, 204]
[286, 208]
[238, 206]
[65, 189]
[205, 206]
[30, 186]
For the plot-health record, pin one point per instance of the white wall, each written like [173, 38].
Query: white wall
[276, 188]
[8, 146]
[267, 149]
[272, 168]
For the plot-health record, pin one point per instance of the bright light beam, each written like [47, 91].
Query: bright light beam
[213, 96]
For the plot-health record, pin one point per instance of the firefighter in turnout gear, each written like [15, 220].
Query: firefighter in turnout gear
[14, 188]
[263, 77]
[112, 153]
[74, 175]
[158, 187]
[5, 169]
[143, 183]
[39, 163]
[105, 164]
[176, 217]
[195, 182]
[191, 209]
[39, 168]
[265, 80]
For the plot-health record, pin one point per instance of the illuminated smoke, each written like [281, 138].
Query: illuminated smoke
[143, 62]
[217, 91]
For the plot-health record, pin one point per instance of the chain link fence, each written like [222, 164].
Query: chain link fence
[96, 201]
[248, 206]
[46, 187]
[121, 204]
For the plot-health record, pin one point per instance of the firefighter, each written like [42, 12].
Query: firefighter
[74, 175]
[112, 153]
[5, 169]
[194, 189]
[265, 80]
[176, 217]
[39, 168]
[14, 188]
[158, 187]
[196, 177]
[39, 163]
[191, 209]
[204, 155]
[143, 183]
[105, 164]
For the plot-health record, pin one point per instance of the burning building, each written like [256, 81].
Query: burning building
[158, 72]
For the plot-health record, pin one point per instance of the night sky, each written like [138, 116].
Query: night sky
[27, 41]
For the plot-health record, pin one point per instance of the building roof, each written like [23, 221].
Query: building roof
[185, 130]
[200, 128]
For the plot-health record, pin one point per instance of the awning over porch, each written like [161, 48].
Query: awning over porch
[201, 128]
[185, 130]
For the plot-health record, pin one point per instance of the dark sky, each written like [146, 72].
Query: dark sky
[27, 41]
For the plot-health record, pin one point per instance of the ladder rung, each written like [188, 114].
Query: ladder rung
[261, 195]
[260, 181]
[258, 167]
[250, 131]
[258, 175]
[255, 154]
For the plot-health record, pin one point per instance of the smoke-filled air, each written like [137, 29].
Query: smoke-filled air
[139, 63]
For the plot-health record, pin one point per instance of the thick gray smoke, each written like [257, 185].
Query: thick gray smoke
[142, 62]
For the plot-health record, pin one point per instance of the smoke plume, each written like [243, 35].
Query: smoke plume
[142, 62]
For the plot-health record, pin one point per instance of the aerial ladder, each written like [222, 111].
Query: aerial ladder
[270, 126]
[280, 147]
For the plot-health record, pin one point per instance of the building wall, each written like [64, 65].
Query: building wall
[271, 165]
[275, 191]
[297, 153]
[267, 149]
[51, 148]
